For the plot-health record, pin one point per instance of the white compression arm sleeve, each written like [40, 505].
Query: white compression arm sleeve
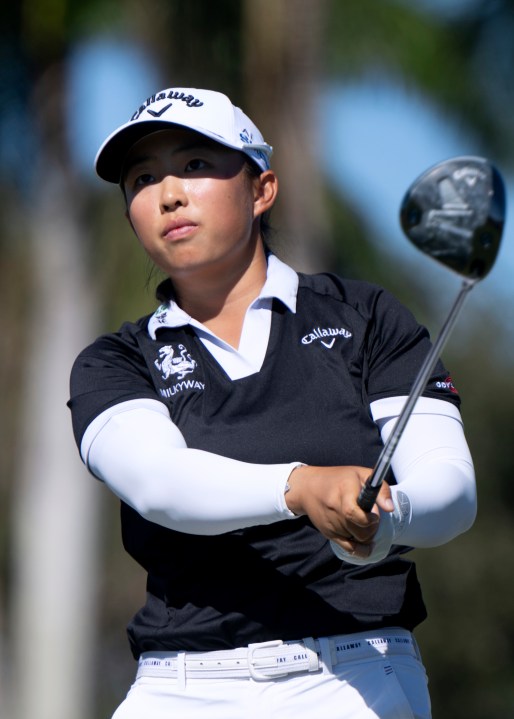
[434, 470]
[435, 497]
[142, 457]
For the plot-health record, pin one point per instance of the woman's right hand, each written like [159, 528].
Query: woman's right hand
[328, 496]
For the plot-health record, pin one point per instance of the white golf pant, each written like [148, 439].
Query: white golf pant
[359, 676]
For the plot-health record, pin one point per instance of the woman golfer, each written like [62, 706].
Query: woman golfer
[237, 425]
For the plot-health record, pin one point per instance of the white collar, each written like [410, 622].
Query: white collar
[281, 284]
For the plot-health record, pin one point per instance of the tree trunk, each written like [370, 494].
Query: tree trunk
[283, 47]
[55, 503]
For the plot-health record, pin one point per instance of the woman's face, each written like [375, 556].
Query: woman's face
[192, 204]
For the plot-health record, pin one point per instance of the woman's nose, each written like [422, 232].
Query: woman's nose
[172, 193]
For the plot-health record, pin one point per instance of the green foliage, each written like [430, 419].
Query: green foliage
[462, 63]
[467, 641]
[124, 277]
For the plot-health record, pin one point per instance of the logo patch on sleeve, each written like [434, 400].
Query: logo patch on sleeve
[447, 384]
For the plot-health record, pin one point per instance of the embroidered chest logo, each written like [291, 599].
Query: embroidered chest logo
[326, 335]
[174, 363]
[170, 364]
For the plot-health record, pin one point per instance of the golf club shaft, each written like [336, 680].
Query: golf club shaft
[371, 489]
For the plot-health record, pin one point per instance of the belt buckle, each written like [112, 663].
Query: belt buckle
[254, 672]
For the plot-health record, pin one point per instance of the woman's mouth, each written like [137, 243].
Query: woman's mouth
[178, 229]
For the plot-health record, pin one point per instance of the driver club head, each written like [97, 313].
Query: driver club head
[455, 213]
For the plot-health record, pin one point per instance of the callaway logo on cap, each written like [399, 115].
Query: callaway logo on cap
[205, 111]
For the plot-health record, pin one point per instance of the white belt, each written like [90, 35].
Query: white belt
[274, 659]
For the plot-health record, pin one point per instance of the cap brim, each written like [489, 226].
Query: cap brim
[111, 155]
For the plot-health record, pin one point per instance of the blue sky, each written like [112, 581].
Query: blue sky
[381, 137]
[450, 8]
[107, 81]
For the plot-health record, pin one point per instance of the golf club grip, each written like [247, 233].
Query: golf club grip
[368, 496]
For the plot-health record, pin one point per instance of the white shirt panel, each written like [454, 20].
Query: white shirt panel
[281, 283]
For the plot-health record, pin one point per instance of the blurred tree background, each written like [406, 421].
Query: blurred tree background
[69, 270]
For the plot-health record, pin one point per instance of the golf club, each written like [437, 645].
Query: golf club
[454, 213]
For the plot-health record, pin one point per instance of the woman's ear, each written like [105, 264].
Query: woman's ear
[265, 192]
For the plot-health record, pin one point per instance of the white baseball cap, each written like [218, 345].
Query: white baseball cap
[205, 111]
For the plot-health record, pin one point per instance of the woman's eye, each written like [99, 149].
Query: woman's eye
[143, 179]
[196, 164]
